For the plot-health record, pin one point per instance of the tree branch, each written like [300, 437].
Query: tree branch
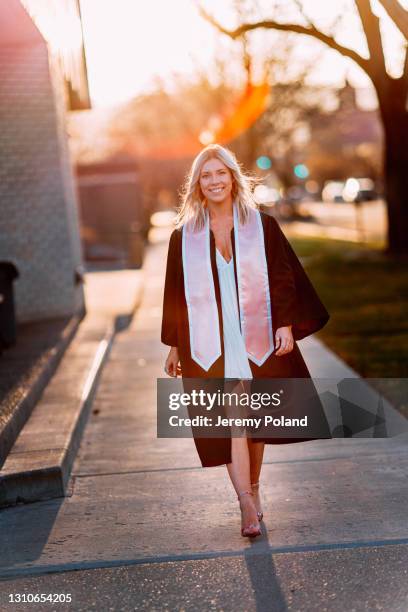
[405, 69]
[302, 11]
[398, 15]
[310, 30]
[371, 27]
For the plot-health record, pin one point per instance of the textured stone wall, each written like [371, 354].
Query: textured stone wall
[38, 203]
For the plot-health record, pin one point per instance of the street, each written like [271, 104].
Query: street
[365, 222]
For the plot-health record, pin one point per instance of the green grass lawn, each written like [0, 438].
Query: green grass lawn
[366, 295]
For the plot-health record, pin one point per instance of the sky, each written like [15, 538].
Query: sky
[131, 43]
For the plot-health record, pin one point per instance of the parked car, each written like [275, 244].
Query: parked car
[358, 190]
[333, 191]
[353, 190]
[366, 192]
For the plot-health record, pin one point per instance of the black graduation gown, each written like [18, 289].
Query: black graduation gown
[294, 302]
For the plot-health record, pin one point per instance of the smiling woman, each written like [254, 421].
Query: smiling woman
[235, 300]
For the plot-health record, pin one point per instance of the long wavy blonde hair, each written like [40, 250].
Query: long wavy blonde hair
[194, 205]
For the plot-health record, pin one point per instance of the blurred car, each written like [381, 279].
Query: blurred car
[333, 191]
[367, 192]
[353, 190]
[358, 190]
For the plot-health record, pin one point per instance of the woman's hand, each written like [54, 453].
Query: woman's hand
[283, 340]
[172, 365]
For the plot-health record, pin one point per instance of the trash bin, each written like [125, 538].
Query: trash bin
[8, 272]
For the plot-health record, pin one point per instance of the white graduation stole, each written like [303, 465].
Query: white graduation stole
[253, 291]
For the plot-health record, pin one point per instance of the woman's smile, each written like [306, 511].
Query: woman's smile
[216, 190]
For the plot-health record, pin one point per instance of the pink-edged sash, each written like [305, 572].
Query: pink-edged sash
[204, 325]
[253, 287]
[253, 291]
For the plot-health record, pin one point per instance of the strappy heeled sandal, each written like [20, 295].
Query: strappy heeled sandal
[253, 529]
[255, 487]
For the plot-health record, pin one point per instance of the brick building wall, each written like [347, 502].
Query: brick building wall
[39, 230]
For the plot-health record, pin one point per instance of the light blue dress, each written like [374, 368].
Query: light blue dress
[235, 355]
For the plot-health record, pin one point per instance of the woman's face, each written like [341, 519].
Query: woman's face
[215, 181]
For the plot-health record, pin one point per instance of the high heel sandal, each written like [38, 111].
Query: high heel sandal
[255, 487]
[253, 529]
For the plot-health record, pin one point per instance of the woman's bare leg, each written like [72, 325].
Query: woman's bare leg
[239, 469]
[239, 473]
[256, 451]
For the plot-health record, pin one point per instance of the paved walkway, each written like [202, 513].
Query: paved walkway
[146, 528]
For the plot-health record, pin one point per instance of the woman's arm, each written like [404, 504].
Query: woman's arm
[169, 319]
[294, 299]
[283, 340]
[172, 365]
[282, 281]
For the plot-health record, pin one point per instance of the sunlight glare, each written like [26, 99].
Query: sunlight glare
[133, 45]
[130, 44]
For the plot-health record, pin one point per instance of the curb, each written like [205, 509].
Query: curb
[22, 411]
[51, 481]
[50, 478]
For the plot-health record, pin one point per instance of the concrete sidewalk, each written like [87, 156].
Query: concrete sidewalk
[146, 528]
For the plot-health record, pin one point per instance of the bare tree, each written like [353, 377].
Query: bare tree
[392, 96]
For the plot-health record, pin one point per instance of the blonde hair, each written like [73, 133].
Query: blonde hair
[193, 206]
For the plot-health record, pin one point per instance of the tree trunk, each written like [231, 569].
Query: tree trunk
[395, 124]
